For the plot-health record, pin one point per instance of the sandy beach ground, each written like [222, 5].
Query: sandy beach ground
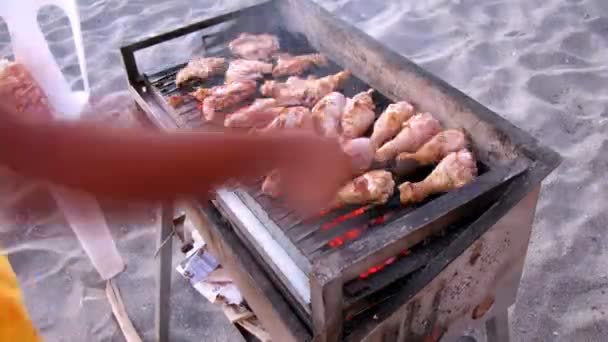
[540, 64]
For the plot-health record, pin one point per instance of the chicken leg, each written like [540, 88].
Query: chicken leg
[415, 132]
[390, 122]
[255, 46]
[288, 65]
[327, 114]
[361, 152]
[454, 171]
[358, 115]
[442, 144]
[373, 187]
[200, 68]
[223, 97]
[259, 114]
[305, 92]
[272, 184]
[244, 69]
[291, 118]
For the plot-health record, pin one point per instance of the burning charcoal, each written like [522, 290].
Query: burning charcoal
[358, 115]
[327, 114]
[255, 46]
[454, 171]
[391, 121]
[415, 132]
[305, 92]
[373, 187]
[433, 151]
[200, 68]
[243, 69]
[288, 65]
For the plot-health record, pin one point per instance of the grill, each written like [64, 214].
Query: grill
[355, 272]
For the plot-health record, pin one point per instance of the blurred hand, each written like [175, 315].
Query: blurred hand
[313, 171]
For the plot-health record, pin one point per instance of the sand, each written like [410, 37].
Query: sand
[540, 64]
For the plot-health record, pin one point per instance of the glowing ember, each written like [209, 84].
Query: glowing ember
[348, 216]
[337, 242]
[375, 269]
[382, 219]
[326, 211]
[353, 234]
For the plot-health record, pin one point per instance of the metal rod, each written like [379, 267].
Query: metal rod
[162, 310]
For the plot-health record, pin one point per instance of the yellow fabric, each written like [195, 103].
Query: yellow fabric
[15, 324]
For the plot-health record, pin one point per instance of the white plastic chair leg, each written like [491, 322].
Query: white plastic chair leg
[31, 49]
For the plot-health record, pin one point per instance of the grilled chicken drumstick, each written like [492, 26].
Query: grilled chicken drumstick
[361, 152]
[255, 46]
[272, 184]
[223, 97]
[201, 68]
[289, 118]
[358, 115]
[391, 121]
[288, 65]
[327, 114]
[373, 187]
[415, 132]
[244, 69]
[442, 144]
[259, 114]
[306, 92]
[454, 171]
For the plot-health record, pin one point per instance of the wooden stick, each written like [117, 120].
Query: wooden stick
[253, 326]
[120, 313]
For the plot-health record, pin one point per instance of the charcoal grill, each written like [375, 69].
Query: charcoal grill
[384, 272]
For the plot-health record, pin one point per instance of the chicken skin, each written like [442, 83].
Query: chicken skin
[304, 92]
[453, 172]
[414, 133]
[391, 121]
[255, 46]
[358, 115]
[373, 187]
[442, 144]
[257, 115]
[327, 114]
[361, 151]
[220, 98]
[271, 186]
[291, 118]
[288, 65]
[200, 68]
[244, 69]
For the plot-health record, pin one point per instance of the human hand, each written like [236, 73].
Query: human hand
[312, 171]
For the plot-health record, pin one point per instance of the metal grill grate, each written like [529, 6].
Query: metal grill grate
[314, 237]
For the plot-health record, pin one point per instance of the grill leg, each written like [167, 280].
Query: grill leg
[497, 328]
[163, 273]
